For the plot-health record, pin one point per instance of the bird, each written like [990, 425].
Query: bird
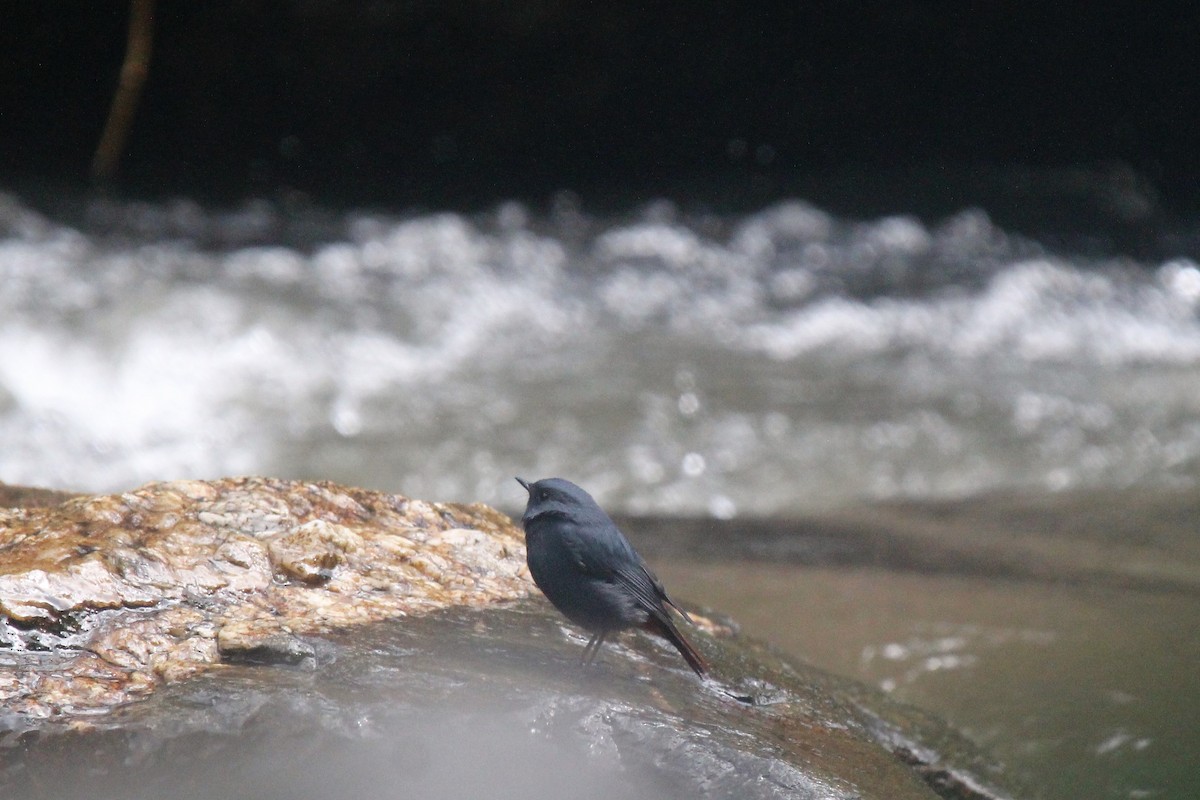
[590, 572]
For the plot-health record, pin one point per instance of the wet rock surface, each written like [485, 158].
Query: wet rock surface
[289, 639]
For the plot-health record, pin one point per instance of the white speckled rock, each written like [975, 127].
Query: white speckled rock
[151, 585]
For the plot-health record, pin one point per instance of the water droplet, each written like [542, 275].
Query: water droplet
[689, 403]
[693, 465]
[722, 507]
[346, 419]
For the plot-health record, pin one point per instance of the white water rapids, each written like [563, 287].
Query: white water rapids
[769, 364]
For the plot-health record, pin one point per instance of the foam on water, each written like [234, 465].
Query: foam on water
[768, 363]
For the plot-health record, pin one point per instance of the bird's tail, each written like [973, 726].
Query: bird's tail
[664, 627]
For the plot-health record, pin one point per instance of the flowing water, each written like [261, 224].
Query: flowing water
[757, 364]
[1084, 692]
[766, 364]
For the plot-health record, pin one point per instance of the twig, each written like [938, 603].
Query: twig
[129, 90]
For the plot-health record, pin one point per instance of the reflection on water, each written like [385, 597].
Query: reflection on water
[1086, 693]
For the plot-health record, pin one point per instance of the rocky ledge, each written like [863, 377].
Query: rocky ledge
[276, 638]
[150, 586]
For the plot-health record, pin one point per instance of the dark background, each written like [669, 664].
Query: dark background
[861, 105]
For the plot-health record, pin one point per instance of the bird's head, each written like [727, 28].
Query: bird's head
[556, 497]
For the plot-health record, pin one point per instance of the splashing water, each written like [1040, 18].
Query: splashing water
[769, 363]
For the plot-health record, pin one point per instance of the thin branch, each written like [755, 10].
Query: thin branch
[129, 90]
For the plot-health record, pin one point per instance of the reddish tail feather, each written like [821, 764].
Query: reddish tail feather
[667, 630]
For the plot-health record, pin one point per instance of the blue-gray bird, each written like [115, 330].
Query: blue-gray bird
[586, 567]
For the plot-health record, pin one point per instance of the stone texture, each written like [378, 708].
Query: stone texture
[154, 584]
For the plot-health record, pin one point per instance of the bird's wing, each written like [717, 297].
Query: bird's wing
[585, 557]
[662, 592]
[596, 551]
[647, 590]
[619, 564]
[612, 559]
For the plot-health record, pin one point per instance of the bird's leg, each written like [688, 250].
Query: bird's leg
[593, 647]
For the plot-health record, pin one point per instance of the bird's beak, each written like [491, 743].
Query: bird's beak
[524, 483]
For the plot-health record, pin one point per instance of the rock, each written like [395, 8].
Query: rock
[165, 579]
[301, 639]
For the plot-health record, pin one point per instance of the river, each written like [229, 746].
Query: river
[771, 364]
